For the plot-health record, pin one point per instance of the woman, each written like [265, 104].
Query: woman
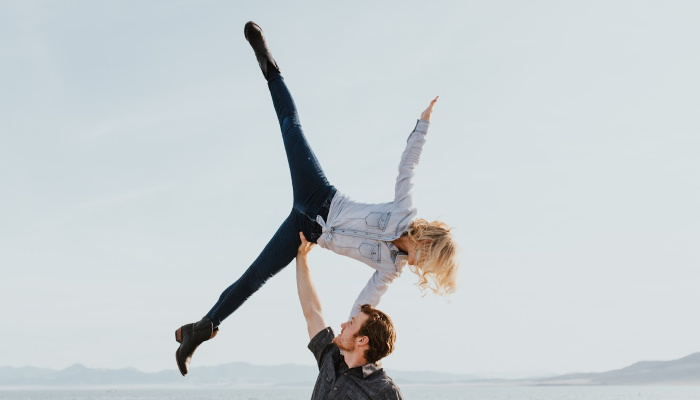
[384, 236]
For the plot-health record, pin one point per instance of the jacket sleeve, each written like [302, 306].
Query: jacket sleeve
[409, 160]
[377, 285]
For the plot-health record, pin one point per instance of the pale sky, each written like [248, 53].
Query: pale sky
[142, 170]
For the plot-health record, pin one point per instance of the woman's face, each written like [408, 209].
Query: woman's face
[412, 256]
[413, 252]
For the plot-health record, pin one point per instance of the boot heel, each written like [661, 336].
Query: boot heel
[178, 335]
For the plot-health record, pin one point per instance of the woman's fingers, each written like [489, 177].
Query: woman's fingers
[428, 111]
[432, 103]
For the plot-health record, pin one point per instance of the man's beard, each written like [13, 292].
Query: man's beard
[346, 345]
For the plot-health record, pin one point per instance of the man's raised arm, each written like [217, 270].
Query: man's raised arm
[310, 303]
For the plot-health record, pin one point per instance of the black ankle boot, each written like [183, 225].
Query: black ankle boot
[254, 36]
[190, 336]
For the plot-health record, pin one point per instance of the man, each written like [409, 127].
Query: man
[364, 340]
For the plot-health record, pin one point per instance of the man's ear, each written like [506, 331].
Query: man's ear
[363, 340]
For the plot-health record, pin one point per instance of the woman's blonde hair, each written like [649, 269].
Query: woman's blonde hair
[436, 256]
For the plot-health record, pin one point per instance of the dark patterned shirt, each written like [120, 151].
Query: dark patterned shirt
[337, 381]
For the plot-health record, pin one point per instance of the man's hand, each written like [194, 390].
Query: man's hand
[305, 246]
[425, 115]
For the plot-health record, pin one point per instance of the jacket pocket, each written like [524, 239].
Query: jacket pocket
[378, 220]
[371, 251]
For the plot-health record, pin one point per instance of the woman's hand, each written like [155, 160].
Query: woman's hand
[305, 246]
[426, 114]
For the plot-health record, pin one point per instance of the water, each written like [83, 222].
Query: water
[409, 392]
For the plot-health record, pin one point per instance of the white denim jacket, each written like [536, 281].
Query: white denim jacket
[365, 231]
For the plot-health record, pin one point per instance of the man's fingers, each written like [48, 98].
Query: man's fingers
[305, 245]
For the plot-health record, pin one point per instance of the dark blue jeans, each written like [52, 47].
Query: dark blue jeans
[312, 197]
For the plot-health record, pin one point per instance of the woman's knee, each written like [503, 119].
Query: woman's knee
[254, 280]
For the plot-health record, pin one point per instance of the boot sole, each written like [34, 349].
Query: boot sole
[178, 335]
[177, 361]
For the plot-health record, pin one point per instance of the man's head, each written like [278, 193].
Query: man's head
[370, 331]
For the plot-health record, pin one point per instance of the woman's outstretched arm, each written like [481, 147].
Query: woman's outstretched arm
[410, 159]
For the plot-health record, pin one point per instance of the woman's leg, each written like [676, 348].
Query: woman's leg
[309, 182]
[311, 189]
[310, 186]
[277, 254]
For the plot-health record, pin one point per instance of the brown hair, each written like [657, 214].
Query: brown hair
[436, 256]
[380, 331]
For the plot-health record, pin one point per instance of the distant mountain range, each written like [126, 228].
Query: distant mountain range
[222, 375]
[682, 371]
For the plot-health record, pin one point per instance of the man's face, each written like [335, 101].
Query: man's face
[347, 339]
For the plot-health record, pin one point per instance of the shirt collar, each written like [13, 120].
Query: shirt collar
[365, 370]
[397, 256]
[369, 369]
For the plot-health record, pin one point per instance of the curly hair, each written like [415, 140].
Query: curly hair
[436, 256]
[380, 330]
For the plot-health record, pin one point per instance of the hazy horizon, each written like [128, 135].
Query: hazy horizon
[682, 371]
[138, 144]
